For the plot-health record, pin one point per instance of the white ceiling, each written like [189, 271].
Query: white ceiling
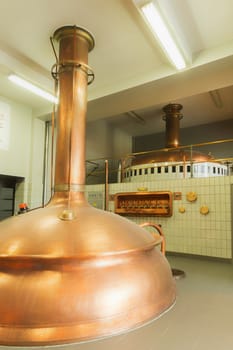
[131, 71]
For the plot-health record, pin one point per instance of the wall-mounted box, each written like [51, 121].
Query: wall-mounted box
[144, 203]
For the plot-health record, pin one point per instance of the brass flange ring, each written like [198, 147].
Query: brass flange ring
[61, 66]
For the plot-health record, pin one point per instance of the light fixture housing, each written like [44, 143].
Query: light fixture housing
[32, 88]
[153, 18]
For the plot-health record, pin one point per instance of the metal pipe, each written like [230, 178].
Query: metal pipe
[74, 45]
[172, 118]
[131, 155]
[45, 162]
[106, 204]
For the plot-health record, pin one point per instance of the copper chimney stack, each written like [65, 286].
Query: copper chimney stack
[172, 118]
[70, 272]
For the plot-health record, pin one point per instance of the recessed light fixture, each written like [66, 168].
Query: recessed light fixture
[157, 25]
[33, 88]
[216, 98]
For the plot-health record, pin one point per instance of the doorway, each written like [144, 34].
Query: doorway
[7, 195]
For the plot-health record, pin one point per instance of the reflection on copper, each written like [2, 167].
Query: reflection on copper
[172, 118]
[159, 230]
[74, 272]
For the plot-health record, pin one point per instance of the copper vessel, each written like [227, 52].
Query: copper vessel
[70, 272]
[172, 152]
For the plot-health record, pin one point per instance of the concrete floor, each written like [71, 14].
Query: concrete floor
[201, 319]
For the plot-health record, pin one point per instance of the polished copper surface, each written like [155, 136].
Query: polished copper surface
[70, 272]
[176, 273]
[172, 118]
[158, 230]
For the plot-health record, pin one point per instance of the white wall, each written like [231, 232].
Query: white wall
[37, 163]
[16, 159]
[189, 232]
[104, 141]
[122, 143]
[24, 155]
[98, 140]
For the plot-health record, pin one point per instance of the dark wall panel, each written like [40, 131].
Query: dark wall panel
[197, 134]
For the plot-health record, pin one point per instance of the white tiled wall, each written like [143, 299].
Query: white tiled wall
[190, 232]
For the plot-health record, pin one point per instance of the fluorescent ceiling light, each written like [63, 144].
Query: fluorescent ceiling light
[216, 98]
[161, 32]
[33, 88]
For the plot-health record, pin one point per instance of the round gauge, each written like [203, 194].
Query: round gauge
[204, 210]
[191, 196]
[181, 210]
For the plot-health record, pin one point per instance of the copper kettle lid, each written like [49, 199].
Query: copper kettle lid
[90, 233]
[66, 281]
[70, 272]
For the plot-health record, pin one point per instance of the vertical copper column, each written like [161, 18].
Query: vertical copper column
[74, 45]
[172, 118]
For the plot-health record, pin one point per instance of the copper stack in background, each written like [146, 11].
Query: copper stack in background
[172, 119]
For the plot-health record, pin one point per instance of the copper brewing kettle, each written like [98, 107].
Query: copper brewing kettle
[173, 151]
[70, 272]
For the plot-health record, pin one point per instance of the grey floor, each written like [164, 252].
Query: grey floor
[202, 318]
